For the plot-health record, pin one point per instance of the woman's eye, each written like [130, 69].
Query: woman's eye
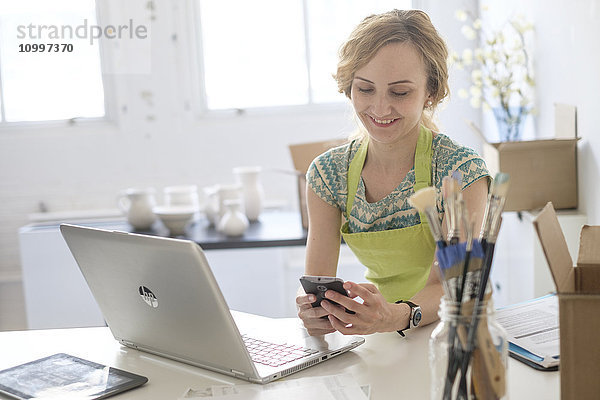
[362, 90]
[399, 94]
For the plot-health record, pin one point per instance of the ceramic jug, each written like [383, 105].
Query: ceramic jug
[228, 192]
[137, 204]
[234, 221]
[252, 190]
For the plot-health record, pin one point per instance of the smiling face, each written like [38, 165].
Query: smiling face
[389, 92]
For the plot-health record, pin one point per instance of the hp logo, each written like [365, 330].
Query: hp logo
[148, 297]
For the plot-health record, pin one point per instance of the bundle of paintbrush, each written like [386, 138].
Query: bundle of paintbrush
[464, 269]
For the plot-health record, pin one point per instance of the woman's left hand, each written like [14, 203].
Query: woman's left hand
[375, 314]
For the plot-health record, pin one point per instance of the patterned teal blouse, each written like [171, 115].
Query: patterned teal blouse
[327, 177]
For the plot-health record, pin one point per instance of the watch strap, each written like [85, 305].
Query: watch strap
[410, 315]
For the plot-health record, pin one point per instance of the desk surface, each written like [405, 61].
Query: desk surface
[390, 364]
[274, 228]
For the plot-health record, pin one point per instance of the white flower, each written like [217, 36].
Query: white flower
[460, 15]
[479, 55]
[468, 32]
[519, 59]
[475, 91]
[467, 56]
[500, 67]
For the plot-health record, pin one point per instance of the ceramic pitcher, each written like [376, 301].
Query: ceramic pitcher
[137, 204]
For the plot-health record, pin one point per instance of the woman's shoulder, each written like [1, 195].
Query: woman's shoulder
[450, 156]
[446, 148]
[336, 158]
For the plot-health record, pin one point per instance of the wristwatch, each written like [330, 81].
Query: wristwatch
[414, 318]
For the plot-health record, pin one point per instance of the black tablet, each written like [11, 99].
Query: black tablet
[65, 376]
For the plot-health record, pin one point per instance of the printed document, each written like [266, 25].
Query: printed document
[533, 326]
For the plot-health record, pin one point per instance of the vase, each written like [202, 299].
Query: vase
[227, 192]
[485, 375]
[234, 221]
[510, 122]
[252, 190]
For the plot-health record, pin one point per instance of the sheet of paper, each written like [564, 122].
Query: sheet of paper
[256, 392]
[533, 325]
[336, 387]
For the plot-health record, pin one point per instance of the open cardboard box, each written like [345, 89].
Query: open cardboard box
[578, 290]
[302, 155]
[540, 170]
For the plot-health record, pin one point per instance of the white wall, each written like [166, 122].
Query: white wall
[567, 67]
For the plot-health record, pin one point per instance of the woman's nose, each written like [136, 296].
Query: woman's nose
[381, 106]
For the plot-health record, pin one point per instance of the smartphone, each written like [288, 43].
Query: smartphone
[318, 285]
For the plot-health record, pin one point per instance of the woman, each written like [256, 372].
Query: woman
[393, 69]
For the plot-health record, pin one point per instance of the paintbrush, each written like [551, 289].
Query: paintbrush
[458, 206]
[491, 227]
[450, 190]
[424, 200]
[489, 234]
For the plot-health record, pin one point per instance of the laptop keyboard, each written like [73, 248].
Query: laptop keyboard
[273, 354]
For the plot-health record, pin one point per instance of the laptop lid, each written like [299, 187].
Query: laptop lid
[154, 295]
[159, 295]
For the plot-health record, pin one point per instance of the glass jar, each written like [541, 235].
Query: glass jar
[484, 362]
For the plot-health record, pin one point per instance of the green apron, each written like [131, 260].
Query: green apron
[398, 261]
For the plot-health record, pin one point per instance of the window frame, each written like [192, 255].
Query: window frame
[196, 76]
[108, 84]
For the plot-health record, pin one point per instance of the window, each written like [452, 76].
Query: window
[265, 53]
[46, 73]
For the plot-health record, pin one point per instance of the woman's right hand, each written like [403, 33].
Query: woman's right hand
[312, 317]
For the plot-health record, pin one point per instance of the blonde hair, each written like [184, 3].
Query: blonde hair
[376, 31]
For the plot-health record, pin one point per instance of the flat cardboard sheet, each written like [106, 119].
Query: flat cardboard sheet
[555, 248]
[302, 155]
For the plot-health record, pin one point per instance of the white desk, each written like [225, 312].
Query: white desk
[395, 367]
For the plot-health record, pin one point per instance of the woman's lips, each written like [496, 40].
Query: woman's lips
[383, 123]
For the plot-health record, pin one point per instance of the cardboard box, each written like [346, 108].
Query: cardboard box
[302, 155]
[540, 171]
[578, 290]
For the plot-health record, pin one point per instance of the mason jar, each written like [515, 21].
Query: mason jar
[484, 359]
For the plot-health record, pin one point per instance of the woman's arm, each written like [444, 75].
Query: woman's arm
[376, 314]
[322, 253]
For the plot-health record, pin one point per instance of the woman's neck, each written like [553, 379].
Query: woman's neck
[399, 155]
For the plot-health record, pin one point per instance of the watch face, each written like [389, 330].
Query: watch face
[417, 317]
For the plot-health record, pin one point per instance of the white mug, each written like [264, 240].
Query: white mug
[137, 204]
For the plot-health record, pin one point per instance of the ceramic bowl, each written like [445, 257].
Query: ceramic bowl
[175, 218]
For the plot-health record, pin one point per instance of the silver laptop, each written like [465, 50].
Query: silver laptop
[159, 295]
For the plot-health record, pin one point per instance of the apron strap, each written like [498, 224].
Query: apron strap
[354, 172]
[423, 156]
